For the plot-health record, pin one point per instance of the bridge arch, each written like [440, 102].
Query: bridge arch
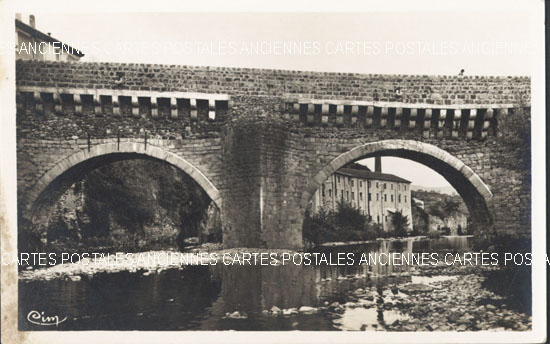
[476, 194]
[65, 173]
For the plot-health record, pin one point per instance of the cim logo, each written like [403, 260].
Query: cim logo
[38, 318]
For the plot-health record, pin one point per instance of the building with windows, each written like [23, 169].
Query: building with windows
[32, 44]
[376, 194]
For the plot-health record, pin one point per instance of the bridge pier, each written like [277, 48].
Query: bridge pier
[260, 203]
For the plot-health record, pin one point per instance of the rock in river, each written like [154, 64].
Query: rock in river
[416, 288]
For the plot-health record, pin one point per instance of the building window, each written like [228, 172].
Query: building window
[338, 179]
[386, 218]
[398, 187]
[405, 199]
[405, 187]
[377, 185]
[385, 186]
[351, 182]
[323, 190]
[360, 196]
[391, 198]
[330, 193]
[391, 186]
[368, 183]
[369, 197]
[360, 184]
[342, 194]
[378, 218]
[385, 198]
[352, 195]
[347, 195]
[399, 198]
[377, 198]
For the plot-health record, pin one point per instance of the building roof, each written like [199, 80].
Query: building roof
[371, 175]
[47, 38]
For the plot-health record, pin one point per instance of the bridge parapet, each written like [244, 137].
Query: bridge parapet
[470, 121]
[100, 102]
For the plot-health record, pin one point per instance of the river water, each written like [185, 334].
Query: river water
[220, 297]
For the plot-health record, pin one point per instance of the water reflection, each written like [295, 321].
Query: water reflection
[200, 297]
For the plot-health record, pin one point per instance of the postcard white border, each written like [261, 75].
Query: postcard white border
[8, 192]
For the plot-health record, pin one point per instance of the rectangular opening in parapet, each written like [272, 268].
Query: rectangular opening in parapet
[303, 113]
[436, 114]
[376, 117]
[391, 118]
[406, 117]
[464, 118]
[362, 116]
[144, 106]
[202, 109]
[106, 104]
[184, 103]
[347, 115]
[317, 114]
[67, 104]
[222, 105]
[420, 115]
[478, 124]
[184, 108]
[125, 106]
[47, 103]
[164, 108]
[448, 126]
[87, 101]
[332, 114]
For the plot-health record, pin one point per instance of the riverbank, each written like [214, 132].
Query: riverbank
[438, 298]
[415, 238]
[145, 263]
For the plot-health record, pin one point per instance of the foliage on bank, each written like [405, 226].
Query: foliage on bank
[347, 223]
[513, 281]
[134, 204]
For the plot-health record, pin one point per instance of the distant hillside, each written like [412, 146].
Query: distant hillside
[448, 190]
[436, 213]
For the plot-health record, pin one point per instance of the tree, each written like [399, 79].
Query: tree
[400, 224]
[347, 216]
[450, 206]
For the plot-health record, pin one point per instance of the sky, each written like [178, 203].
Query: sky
[482, 43]
[418, 174]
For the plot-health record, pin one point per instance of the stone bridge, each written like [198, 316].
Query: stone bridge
[260, 142]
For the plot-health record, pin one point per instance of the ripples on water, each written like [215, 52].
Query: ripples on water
[199, 297]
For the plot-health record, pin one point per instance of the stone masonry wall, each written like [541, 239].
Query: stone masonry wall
[273, 83]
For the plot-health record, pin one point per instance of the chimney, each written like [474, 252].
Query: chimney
[31, 21]
[378, 164]
[18, 16]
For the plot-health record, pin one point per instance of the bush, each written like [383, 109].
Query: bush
[400, 224]
[510, 281]
[445, 231]
[346, 223]
[434, 235]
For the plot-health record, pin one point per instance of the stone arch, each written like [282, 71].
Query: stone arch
[53, 183]
[475, 193]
